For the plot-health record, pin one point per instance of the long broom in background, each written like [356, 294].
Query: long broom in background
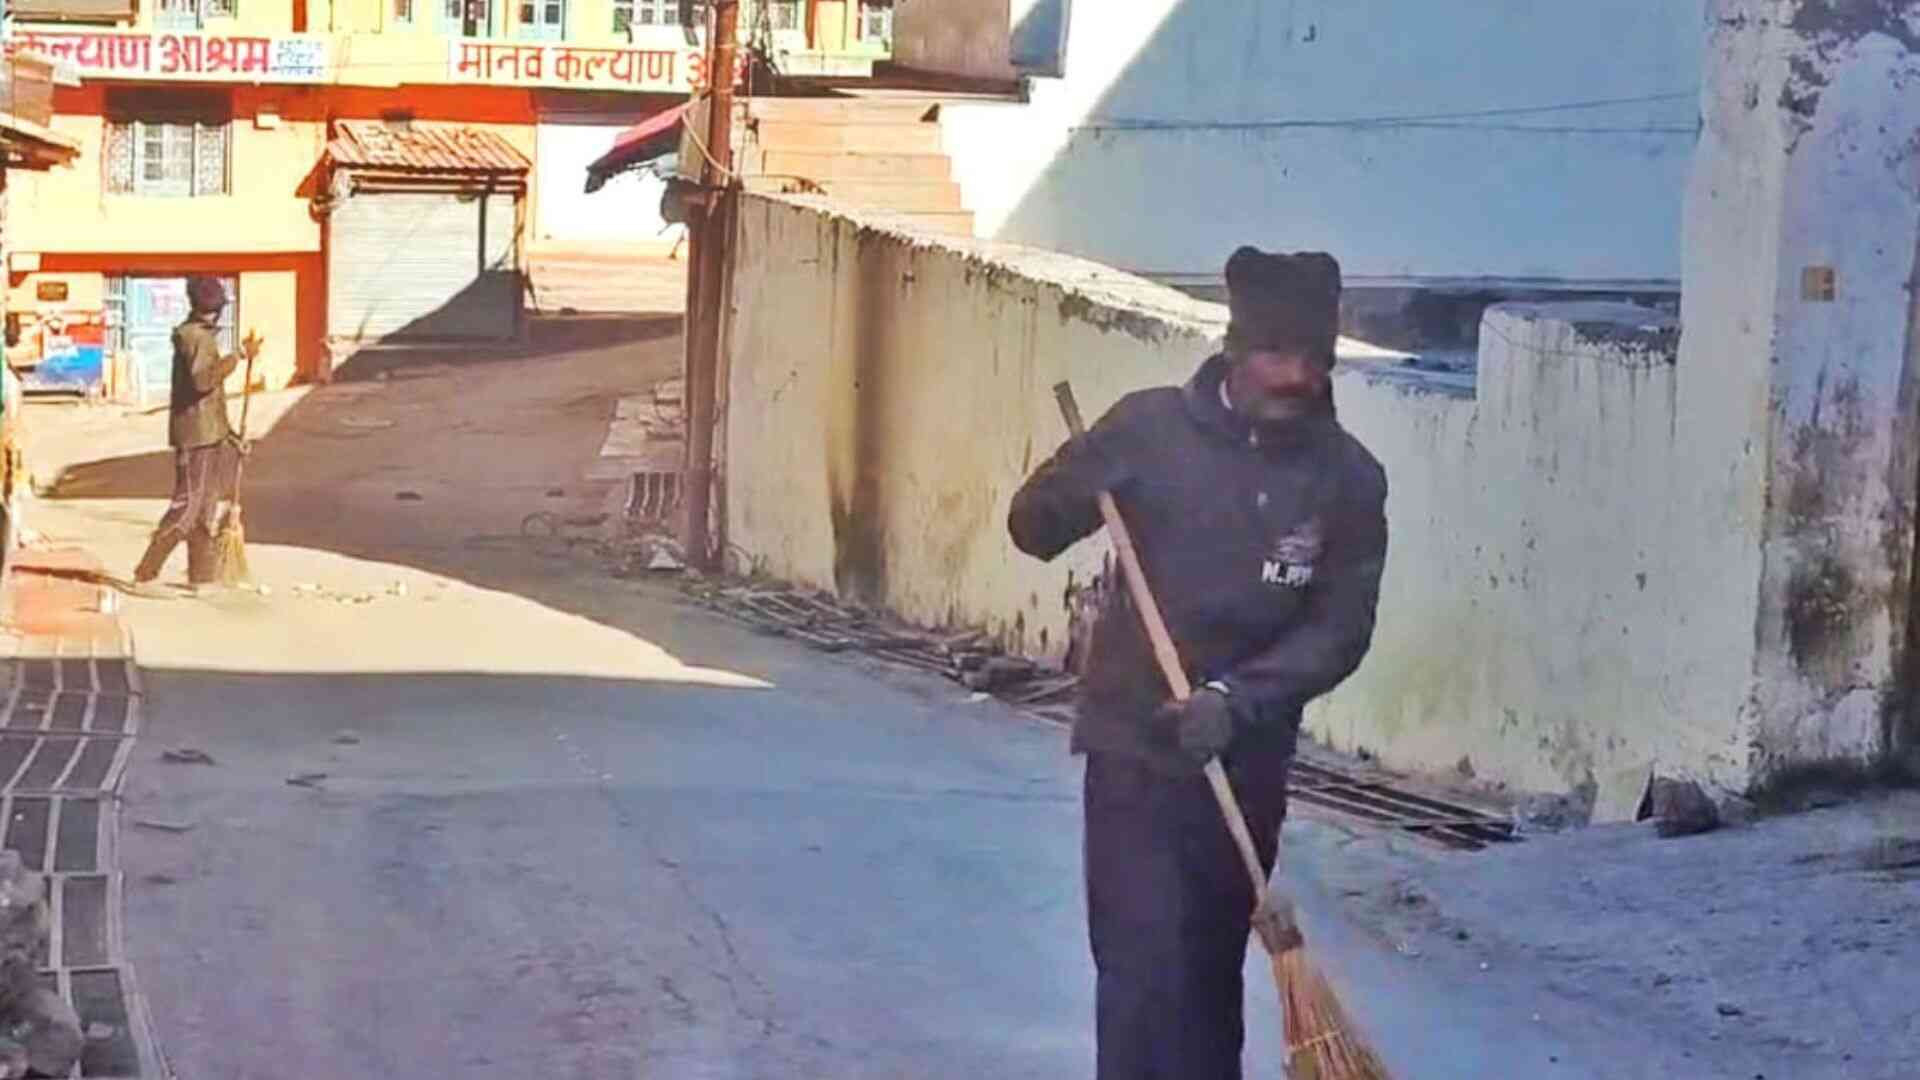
[1322, 1041]
[230, 547]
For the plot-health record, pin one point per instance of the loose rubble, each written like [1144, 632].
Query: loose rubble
[40, 1033]
[834, 626]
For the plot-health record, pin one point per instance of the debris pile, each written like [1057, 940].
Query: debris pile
[309, 591]
[835, 626]
[39, 1032]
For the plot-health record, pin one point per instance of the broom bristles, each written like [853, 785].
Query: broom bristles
[1322, 1041]
[231, 550]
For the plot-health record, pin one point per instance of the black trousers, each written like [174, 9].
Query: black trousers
[202, 476]
[1169, 911]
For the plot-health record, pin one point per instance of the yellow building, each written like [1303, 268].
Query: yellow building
[278, 144]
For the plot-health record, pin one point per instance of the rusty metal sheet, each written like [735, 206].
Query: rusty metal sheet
[373, 144]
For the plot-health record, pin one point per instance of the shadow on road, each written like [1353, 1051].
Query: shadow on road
[426, 458]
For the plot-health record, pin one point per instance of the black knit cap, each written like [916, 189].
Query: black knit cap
[206, 294]
[1283, 301]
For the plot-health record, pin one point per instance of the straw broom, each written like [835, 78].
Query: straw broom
[1322, 1041]
[230, 547]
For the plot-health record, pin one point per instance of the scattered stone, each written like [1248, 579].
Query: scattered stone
[1462, 935]
[1736, 811]
[1681, 808]
[408, 496]
[97, 1032]
[161, 879]
[1620, 795]
[1727, 1008]
[42, 1032]
[1663, 979]
[163, 826]
[347, 737]
[1547, 813]
[307, 779]
[998, 671]
[556, 493]
[1892, 853]
[187, 755]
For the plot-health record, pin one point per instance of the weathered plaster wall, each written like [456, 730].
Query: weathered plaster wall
[1810, 165]
[969, 38]
[888, 395]
[1544, 615]
[1502, 139]
[1542, 619]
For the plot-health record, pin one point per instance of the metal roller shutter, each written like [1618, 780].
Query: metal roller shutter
[424, 265]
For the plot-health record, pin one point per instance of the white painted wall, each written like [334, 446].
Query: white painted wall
[623, 215]
[1812, 159]
[1385, 132]
[1552, 610]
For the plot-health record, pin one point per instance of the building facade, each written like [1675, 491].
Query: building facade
[212, 131]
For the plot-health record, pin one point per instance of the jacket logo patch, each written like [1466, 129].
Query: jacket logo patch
[1291, 563]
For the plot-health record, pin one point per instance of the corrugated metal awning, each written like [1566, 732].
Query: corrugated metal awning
[655, 137]
[374, 144]
[34, 146]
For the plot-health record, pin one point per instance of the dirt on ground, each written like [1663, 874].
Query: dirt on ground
[1780, 949]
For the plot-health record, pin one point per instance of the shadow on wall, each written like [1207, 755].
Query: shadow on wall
[487, 308]
[1039, 43]
[1544, 142]
[858, 492]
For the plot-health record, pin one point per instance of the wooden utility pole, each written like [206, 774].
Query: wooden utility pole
[711, 239]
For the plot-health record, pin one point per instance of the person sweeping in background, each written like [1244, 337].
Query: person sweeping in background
[205, 450]
[1261, 527]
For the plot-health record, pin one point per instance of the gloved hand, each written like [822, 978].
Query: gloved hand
[1205, 725]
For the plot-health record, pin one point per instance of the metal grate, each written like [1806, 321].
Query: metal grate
[1379, 801]
[67, 731]
[653, 498]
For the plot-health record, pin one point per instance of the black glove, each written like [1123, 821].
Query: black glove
[1206, 725]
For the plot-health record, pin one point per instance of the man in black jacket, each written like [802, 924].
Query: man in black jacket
[204, 446]
[1261, 524]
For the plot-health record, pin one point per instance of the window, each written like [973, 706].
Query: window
[176, 151]
[403, 11]
[542, 19]
[784, 14]
[876, 19]
[622, 17]
[144, 310]
[192, 14]
[660, 12]
[468, 18]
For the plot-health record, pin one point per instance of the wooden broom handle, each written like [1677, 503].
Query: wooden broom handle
[1165, 652]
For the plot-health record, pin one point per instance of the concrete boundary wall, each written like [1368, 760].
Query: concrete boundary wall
[888, 393]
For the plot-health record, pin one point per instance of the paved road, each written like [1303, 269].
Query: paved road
[578, 830]
[607, 877]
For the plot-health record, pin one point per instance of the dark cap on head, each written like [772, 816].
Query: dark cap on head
[206, 294]
[1283, 301]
